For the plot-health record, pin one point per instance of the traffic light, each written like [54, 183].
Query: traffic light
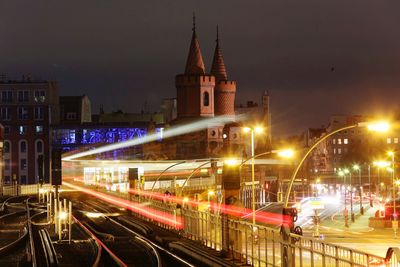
[40, 163]
[289, 217]
[56, 167]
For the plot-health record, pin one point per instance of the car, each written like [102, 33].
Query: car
[389, 208]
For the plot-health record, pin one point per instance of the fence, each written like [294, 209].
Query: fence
[31, 189]
[263, 245]
[259, 246]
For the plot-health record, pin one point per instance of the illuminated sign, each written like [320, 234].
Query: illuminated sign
[99, 135]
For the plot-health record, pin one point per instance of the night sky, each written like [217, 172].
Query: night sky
[315, 57]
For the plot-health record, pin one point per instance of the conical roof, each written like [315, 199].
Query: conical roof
[194, 63]
[218, 66]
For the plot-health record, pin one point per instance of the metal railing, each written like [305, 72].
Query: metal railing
[265, 245]
[21, 190]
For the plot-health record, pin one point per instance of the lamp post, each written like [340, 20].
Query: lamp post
[377, 127]
[380, 164]
[395, 224]
[253, 201]
[369, 182]
[345, 212]
[358, 168]
[346, 171]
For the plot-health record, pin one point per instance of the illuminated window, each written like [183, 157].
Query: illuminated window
[389, 140]
[334, 151]
[396, 140]
[39, 129]
[339, 151]
[339, 141]
[23, 130]
[206, 99]
[334, 141]
[345, 141]
[40, 96]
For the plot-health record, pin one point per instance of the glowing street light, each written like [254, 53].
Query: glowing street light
[380, 164]
[380, 126]
[232, 162]
[285, 153]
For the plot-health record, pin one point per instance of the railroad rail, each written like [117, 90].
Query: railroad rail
[128, 249]
[13, 232]
[161, 241]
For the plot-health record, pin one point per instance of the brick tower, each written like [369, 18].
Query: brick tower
[225, 90]
[195, 88]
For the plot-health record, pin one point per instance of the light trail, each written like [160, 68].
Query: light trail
[239, 212]
[156, 215]
[174, 131]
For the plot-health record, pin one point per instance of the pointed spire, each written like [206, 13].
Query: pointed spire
[218, 66]
[194, 63]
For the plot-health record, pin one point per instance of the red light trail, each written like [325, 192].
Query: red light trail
[238, 212]
[154, 214]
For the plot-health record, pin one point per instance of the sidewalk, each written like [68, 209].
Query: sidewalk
[359, 225]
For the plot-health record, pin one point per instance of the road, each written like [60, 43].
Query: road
[358, 235]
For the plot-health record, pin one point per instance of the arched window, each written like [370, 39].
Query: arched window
[206, 99]
[39, 146]
[7, 146]
[22, 147]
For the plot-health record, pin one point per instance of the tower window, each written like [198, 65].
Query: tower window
[206, 99]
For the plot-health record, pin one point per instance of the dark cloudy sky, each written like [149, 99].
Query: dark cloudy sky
[316, 57]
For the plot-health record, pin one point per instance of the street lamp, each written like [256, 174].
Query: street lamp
[394, 222]
[369, 184]
[377, 127]
[341, 173]
[380, 164]
[346, 171]
[253, 202]
[357, 168]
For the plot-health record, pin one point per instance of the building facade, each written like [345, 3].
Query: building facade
[348, 147]
[28, 109]
[75, 110]
[202, 94]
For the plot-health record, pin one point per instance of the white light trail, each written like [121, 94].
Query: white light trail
[167, 133]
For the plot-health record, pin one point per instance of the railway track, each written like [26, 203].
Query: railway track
[13, 232]
[124, 246]
[172, 247]
[27, 238]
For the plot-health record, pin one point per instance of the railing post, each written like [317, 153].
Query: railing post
[224, 234]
